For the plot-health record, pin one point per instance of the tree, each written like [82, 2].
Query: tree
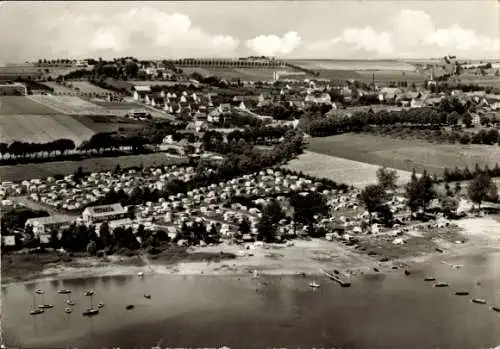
[244, 226]
[266, 229]
[307, 206]
[54, 240]
[449, 206]
[420, 191]
[482, 188]
[458, 188]
[387, 178]
[91, 248]
[373, 196]
[104, 234]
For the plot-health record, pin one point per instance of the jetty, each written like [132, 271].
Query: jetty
[336, 278]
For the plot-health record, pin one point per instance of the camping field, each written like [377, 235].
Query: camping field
[405, 154]
[341, 170]
[28, 171]
[19, 105]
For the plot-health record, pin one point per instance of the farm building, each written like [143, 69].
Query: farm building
[43, 225]
[104, 213]
[13, 89]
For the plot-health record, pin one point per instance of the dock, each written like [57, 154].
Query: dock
[336, 278]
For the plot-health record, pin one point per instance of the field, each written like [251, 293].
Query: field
[70, 105]
[20, 105]
[382, 76]
[405, 154]
[119, 108]
[341, 170]
[328, 64]
[87, 87]
[58, 88]
[264, 74]
[42, 128]
[29, 171]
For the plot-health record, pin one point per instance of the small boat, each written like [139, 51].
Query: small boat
[130, 306]
[430, 278]
[462, 293]
[441, 284]
[147, 295]
[375, 270]
[70, 302]
[67, 310]
[100, 305]
[91, 312]
[255, 273]
[39, 291]
[314, 284]
[37, 311]
[140, 274]
[407, 273]
[89, 293]
[65, 291]
[45, 306]
[497, 309]
[478, 301]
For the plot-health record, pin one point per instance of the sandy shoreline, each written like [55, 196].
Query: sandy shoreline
[304, 257]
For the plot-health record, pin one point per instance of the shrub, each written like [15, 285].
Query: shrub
[465, 139]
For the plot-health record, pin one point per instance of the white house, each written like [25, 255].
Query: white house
[103, 213]
[43, 225]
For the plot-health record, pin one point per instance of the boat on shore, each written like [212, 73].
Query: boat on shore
[430, 278]
[441, 284]
[140, 274]
[479, 301]
[497, 309]
[147, 296]
[45, 306]
[336, 278]
[64, 291]
[130, 306]
[462, 293]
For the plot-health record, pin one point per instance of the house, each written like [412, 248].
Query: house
[389, 93]
[156, 100]
[44, 225]
[140, 95]
[13, 89]
[323, 98]
[197, 126]
[103, 213]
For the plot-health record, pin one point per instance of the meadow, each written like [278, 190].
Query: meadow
[58, 88]
[87, 87]
[405, 154]
[353, 64]
[70, 105]
[42, 128]
[20, 105]
[341, 170]
[263, 74]
[28, 171]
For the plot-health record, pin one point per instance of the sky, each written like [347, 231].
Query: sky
[349, 29]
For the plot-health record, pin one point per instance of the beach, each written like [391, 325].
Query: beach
[481, 235]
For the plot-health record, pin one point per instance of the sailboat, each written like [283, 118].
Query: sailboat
[91, 310]
[44, 305]
[34, 310]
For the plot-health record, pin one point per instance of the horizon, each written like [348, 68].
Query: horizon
[357, 30]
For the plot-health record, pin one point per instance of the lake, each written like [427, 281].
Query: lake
[378, 311]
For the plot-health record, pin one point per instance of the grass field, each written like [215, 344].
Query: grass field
[264, 74]
[29, 171]
[331, 64]
[20, 105]
[341, 170]
[58, 88]
[70, 105]
[87, 87]
[381, 76]
[405, 154]
[42, 128]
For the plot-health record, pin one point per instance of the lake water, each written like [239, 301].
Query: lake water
[386, 311]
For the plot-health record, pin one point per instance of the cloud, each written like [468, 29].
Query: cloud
[141, 31]
[272, 45]
[412, 34]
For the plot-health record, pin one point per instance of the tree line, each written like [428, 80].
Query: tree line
[457, 174]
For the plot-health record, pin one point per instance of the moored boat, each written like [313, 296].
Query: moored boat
[90, 312]
[147, 295]
[140, 274]
[70, 302]
[68, 310]
[89, 293]
[37, 311]
[45, 306]
[39, 291]
[479, 301]
[462, 293]
[130, 306]
[100, 305]
[430, 278]
[64, 291]
[497, 309]
[441, 284]
[314, 284]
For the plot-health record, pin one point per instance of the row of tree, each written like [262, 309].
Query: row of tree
[457, 174]
[19, 149]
